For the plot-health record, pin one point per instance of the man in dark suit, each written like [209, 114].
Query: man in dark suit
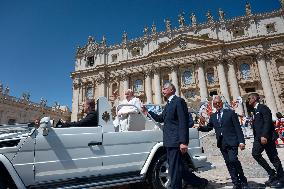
[176, 138]
[91, 118]
[229, 137]
[264, 139]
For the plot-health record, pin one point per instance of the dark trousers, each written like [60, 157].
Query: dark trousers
[178, 170]
[271, 151]
[230, 155]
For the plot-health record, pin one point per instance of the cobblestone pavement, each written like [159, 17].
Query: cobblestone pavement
[219, 176]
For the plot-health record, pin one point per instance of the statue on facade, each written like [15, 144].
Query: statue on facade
[43, 102]
[209, 17]
[193, 19]
[181, 20]
[7, 90]
[154, 29]
[26, 96]
[90, 40]
[221, 15]
[103, 41]
[124, 37]
[56, 105]
[146, 30]
[248, 9]
[168, 25]
[1, 88]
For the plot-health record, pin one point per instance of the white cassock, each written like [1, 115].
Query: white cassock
[122, 121]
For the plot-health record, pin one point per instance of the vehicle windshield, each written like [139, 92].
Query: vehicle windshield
[10, 131]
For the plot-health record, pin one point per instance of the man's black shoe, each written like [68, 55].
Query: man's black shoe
[202, 185]
[245, 185]
[277, 184]
[237, 186]
[270, 180]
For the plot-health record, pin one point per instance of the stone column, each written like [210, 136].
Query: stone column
[202, 82]
[272, 71]
[222, 80]
[266, 85]
[174, 77]
[75, 103]
[101, 87]
[234, 87]
[125, 83]
[83, 92]
[158, 90]
[148, 87]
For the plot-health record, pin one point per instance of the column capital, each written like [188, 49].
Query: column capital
[147, 73]
[173, 68]
[200, 62]
[100, 80]
[263, 55]
[155, 70]
[220, 59]
[231, 60]
[123, 76]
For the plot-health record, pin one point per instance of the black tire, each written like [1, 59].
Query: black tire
[2, 185]
[159, 178]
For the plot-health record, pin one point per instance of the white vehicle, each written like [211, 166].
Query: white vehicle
[90, 157]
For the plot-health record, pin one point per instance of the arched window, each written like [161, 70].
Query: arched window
[187, 78]
[89, 92]
[138, 86]
[245, 70]
[210, 76]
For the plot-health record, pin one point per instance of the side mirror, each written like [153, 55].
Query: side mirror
[45, 131]
[45, 124]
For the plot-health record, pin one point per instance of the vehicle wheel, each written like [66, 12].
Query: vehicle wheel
[2, 185]
[159, 177]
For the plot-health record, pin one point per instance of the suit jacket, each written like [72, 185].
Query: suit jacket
[262, 124]
[190, 120]
[91, 119]
[175, 118]
[229, 133]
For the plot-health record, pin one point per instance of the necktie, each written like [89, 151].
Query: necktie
[219, 118]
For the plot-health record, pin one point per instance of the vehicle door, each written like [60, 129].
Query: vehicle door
[64, 153]
[127, 151]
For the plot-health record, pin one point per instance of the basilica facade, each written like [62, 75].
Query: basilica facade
[229, 57]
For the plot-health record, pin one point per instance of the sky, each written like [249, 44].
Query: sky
[38, 38]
